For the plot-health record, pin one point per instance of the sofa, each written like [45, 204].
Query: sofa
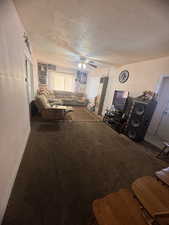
[48, 111]
[65, 98]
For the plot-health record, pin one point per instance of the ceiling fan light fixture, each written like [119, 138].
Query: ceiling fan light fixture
[80, 65]
[84, 66]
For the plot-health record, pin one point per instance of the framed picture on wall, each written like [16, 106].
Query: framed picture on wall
[81, 77]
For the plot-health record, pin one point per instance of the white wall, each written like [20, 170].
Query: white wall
[143, 76]
[35, 75]
[33, 81]
[92, 86]
[14, 113]
[109, 93]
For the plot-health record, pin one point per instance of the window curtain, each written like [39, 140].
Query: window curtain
[60, 81]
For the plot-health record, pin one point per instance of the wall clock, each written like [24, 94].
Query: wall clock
[123, 76]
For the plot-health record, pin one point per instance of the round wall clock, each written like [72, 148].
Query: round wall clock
[123, 76]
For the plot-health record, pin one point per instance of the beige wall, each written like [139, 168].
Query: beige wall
[92, 87]
[143, 76]
[35, 75]
[14, 113]
[97, 74]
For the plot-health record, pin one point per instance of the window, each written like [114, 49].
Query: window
[60, 81]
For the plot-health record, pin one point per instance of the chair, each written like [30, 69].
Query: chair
[47, 111]
[118, 208]
[154, 197]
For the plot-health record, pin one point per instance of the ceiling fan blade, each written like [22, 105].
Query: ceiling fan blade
[94, 66]
[101, 61]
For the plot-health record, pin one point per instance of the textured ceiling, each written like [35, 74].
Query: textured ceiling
[113, 31]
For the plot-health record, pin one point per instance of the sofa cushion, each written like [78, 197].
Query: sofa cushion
[42, 102]
[55, 101]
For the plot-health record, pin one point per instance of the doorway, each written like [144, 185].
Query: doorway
[29, 82]
[29, 79]
[101, 95]
[158, 130]
[163, 107]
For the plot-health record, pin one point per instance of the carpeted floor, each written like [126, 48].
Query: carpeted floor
[81, 114]
[67, 165]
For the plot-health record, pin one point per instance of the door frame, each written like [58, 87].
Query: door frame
[159, 85]
[158, 90]
[29, 78]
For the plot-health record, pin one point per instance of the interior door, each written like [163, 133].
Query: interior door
[163, 130]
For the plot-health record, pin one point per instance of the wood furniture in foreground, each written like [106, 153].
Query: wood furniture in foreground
[148, 204]
[163, 175]
[118, 208]
[154, 197]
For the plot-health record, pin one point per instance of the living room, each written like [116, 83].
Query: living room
[72, 75]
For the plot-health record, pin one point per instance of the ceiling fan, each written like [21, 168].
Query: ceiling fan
[84, 62]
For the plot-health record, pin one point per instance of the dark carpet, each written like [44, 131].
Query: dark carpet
[81, 114]
[67, 165]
